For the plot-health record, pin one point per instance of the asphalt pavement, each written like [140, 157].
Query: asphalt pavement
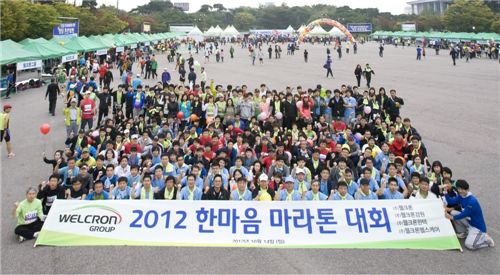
[455, 108]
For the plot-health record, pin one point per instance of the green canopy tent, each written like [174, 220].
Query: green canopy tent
[12, 52]
[102, 40]
[83, 44]
[43, 50]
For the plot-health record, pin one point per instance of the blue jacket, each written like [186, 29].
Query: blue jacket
[165, 77]
[143, 98]
[471, 209]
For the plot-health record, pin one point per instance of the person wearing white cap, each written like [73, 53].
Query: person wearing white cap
[301, 184]
[314, 194]
[263, 192]
[289, 193]
[72, 118]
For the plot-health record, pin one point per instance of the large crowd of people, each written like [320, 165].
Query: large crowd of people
[203, 141]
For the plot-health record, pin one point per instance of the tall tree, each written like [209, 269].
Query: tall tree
[468, 16]
[244, 20]
[219, 7]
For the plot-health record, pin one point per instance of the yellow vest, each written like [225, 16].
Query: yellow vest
[2, 121]
[67, 116]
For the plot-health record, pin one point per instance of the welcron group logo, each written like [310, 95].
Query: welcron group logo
[100, 218]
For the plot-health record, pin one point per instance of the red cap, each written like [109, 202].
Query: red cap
[7, 106]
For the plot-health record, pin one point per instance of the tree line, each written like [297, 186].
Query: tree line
[22, 19]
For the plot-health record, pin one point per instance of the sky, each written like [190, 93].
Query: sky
[392, 6]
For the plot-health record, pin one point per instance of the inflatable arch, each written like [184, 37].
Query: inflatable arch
[328, 22]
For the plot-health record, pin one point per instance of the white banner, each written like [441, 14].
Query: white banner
[102, 52]
[29, 65]
[69, 58]
[408, 27]
[146, 43]
[415, 224]
[120, 49]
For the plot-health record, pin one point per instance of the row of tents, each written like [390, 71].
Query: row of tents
[452, 36]
[216, 31]
[41, 49]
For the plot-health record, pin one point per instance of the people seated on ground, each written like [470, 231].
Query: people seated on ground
[253, 153]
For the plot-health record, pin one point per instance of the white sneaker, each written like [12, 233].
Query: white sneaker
[462, 235]
[20, 239]
[490, 241]
[35, 235]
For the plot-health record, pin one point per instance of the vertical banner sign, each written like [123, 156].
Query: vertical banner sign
[415, 224]
[66, 30]
[359, 27]
[27, 65]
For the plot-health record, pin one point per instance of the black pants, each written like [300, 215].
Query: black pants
[9, 90]
[329, 72]
[358, 78]
[154, 75]
[288, 122]
[148, 74]
[52, 105]
[102, 113]
[368, 80]
[128, 111]
[27, 230]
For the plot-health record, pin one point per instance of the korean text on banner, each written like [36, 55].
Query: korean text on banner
[418, 224]
[27, 65]
[69, 58]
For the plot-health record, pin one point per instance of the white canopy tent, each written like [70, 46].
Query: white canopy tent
[301, 29]
[230, 31]
[290, 29]
[317, 31]
[336, 32]
[234, 30]
[196, 34]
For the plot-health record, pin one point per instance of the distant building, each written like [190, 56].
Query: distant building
[184, 6]
[440, 6]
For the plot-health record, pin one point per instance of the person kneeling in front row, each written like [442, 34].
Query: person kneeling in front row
[469, 223]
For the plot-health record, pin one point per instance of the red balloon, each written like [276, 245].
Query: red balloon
[45, 128]
[180, 115]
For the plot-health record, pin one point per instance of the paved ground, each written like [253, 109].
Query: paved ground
[455, 109]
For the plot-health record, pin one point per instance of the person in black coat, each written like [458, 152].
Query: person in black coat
[315, 165]
[52, 92]
[118, 99]
[337, 105]
[395, 104]
[358, 72]
[289, 111]
[216, 192]
[104, 104]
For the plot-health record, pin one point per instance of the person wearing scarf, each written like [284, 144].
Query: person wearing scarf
[289, 193]
[314, 194]
[144, 192]
[241, 193]
[169, 192]
[341, 194]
